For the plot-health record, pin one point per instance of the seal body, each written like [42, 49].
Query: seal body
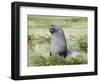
[58, 41]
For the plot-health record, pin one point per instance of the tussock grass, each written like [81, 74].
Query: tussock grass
[40, 60]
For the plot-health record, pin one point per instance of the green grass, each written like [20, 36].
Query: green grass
[39, 60]
[75, 29]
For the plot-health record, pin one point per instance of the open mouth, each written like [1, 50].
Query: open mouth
[50, 29]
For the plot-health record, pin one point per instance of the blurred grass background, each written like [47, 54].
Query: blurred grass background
[75, 29]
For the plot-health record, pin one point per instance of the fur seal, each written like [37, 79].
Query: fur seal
[58, 41]
[59, 44]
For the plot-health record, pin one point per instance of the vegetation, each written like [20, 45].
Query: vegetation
[75, 29]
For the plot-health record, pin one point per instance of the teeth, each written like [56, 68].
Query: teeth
[50, 27]
[51, 30]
